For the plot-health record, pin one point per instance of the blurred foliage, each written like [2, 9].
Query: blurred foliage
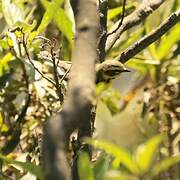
[27, 99]
[36, 170]
[122, 164]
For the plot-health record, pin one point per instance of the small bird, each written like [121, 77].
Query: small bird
[109, 69]
[105, 71]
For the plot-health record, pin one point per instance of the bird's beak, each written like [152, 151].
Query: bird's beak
[126, 70]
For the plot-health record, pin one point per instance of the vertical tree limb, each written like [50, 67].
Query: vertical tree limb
[77, 108]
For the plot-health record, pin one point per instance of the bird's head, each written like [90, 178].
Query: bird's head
[110, 69]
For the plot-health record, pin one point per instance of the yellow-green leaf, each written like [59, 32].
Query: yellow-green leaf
[3, 126]
[152, 47]
[168, 42]
[164, 164]
[4, 66]
[52, 9]
[31, 36]
[84, 167]
[101, 166]
[142, 65]
[121, 156]
[45, 3]
[26, 27]
[64, 24]
[146, 153]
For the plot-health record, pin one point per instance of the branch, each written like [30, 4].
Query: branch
[31, 62]
[134, 19]
[121, 20]
[56, 78]
[77, 107]
[103, 8]
[154, 35]
[12, 143]
[65, 74]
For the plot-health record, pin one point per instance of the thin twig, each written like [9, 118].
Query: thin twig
[134, 19]
[23, 67]
[122, 18]
[58, 87]
[42, 38]
[58, 58]
[65, 74]
[154, 35]
[31, 62]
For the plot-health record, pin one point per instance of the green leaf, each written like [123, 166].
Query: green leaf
[125, 43]
[60, 17]
[148, 62]
[100, 87]
[164, 165]
[132, 38]
[145, 153]
[0, 6]
[30, 14]
[26, 27]
[110, 96]
[113, 105]
[12, 13]
[152, 47]
[142, 65]
[45, 3]
[3, 126]
[121, 156]
[48, 16]
[51, 10]
[58, 2]
[66, 48]
[4, 43]
[36, 170]
[101, 167]
[168, 42]
[4, 66]
[84, 167]
[64, 24]
[31, 36]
